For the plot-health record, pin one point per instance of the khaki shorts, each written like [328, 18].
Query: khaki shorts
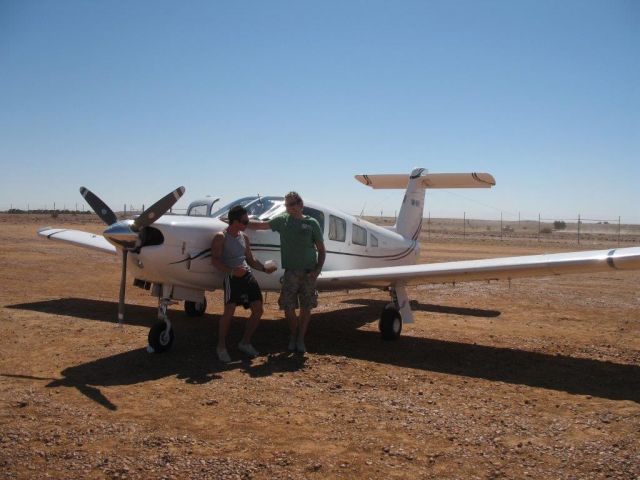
[298, 291]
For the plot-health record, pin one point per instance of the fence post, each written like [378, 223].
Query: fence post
[500, 225]
[538, 227]
[464, 224]
[618, 231]
[578, 229]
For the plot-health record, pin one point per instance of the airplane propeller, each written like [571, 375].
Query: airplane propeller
[98, 206]
[126, 234]
[158, 209]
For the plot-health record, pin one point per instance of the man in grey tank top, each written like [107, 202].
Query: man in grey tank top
[231, 254]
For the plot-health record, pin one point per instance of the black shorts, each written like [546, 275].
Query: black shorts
[241, 290]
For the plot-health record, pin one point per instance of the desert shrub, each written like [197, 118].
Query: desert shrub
[545, 230]
[559, 225]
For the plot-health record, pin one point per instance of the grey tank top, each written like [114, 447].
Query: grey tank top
[233, 251]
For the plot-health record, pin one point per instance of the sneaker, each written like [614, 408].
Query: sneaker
[292, 344]
[248, 349]
[223, 355]
[300, 346]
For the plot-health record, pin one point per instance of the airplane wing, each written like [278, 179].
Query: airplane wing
[489, 269]
[79, 238]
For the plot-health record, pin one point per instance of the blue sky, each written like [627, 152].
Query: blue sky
[134, 98]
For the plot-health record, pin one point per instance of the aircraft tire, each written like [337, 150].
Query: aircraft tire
[390, 324]
[195, 309]
[158, 340]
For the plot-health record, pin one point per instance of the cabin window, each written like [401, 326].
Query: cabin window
[337, 228]
[317, 214]
[198, 210]
[256, 206]
[373, 240]
[359, 235]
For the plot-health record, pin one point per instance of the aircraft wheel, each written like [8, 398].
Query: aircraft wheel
[388, 306]
[390, 324]
[195, 309]
[159, 339]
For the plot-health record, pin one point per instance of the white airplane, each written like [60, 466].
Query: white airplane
[171, 254]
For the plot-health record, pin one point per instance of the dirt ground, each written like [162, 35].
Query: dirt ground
[536, 379]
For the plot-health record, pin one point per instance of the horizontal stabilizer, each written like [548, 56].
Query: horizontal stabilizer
[78, 238]
[430, 180]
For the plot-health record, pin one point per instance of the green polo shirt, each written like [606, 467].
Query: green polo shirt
[297, 241]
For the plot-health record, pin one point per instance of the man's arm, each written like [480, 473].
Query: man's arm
[258, 225]
[322, 255]
[252, 261]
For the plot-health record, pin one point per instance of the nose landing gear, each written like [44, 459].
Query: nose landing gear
[161, 335]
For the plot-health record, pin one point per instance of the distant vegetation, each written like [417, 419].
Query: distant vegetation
[49, 212]
[559, 225]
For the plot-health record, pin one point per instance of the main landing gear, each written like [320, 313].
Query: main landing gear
[392, 315]
[390, 324]
[195, 309]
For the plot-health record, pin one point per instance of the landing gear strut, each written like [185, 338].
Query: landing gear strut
[161, 334]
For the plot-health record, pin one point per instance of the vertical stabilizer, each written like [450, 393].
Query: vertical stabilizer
[409, 219]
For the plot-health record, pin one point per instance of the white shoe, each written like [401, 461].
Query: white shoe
[223, 355]
[300, 346]
[292, 344]
[248, 349]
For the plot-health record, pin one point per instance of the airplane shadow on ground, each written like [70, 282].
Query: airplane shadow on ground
[192, 357]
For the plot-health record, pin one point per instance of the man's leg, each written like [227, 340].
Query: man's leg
[252, 323]
[288, 302]
[305, 317]
[292, 319]
[308, 301]
[223, 330]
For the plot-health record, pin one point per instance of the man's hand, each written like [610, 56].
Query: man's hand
[313, 274]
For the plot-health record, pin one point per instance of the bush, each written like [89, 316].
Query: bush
[545, 230]
[559, 225]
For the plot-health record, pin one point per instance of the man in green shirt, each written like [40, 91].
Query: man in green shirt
[302, 254]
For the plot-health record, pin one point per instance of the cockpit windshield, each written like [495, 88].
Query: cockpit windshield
[257, 207]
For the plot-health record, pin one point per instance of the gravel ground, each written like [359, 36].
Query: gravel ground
[539, 379]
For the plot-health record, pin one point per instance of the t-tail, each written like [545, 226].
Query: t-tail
[411, 213]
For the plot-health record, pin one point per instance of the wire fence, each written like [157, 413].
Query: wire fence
[577, 230]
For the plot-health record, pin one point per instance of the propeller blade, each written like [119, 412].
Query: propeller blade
[158, 209]
[123, 282]
[98, 206]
